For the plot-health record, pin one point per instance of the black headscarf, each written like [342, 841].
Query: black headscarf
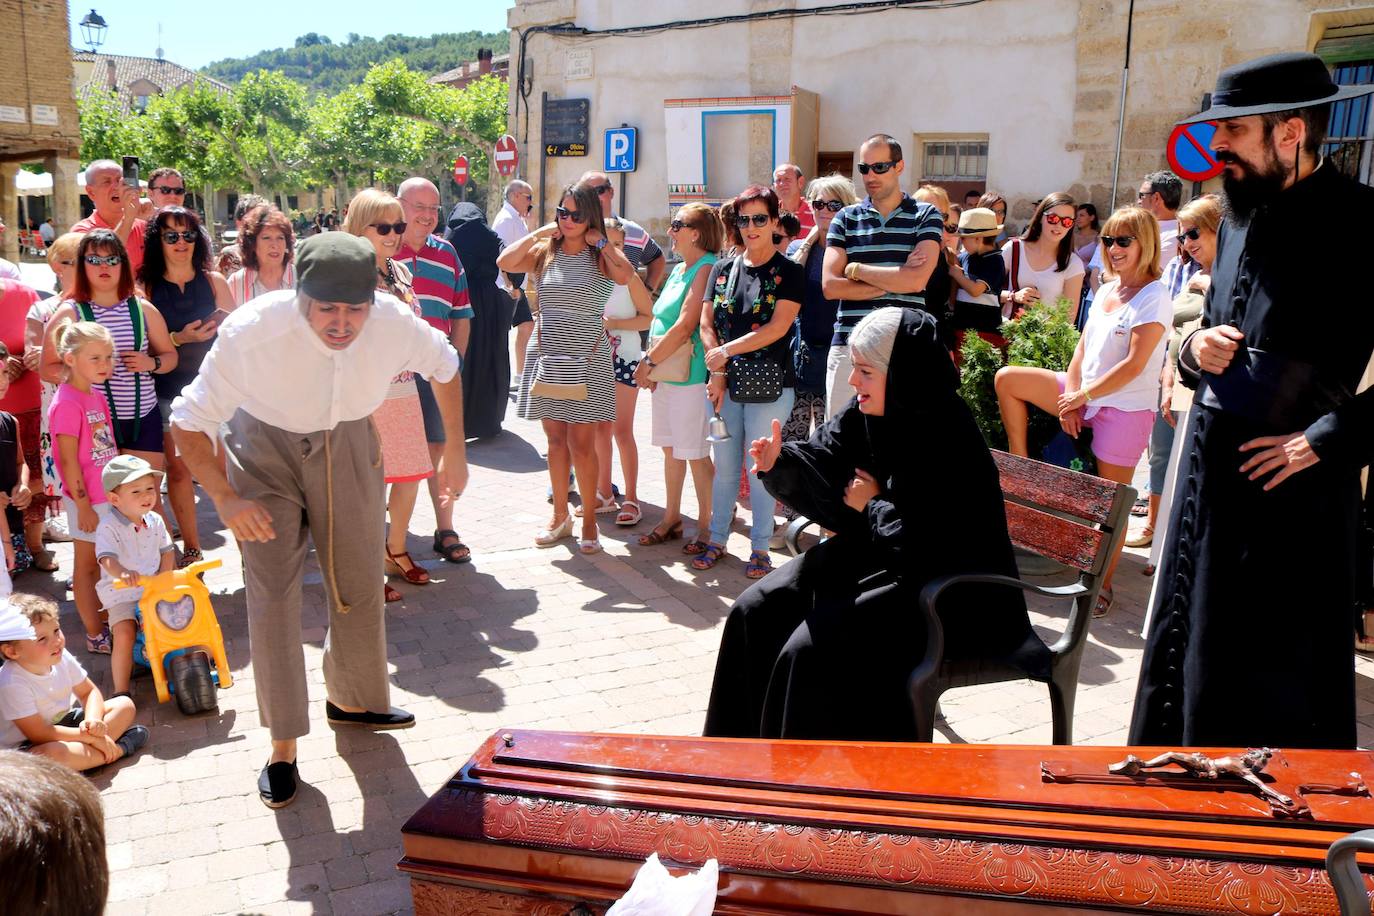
[476, 244]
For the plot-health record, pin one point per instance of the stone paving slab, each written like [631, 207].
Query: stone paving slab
[623, 641]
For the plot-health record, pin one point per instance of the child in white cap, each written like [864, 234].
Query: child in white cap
[131, 541]
[48, 704]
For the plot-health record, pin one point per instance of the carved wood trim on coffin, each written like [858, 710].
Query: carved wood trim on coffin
[1083, 878]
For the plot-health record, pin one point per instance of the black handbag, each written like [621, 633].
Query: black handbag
[752, 379]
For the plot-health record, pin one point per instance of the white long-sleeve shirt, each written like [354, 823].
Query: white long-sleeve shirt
[268, 361]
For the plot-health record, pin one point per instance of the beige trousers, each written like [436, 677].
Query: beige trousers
[324, 487]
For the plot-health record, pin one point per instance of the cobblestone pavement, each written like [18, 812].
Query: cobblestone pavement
[622, 641]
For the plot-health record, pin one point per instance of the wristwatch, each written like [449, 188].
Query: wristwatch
[157, 363]
[648, 362]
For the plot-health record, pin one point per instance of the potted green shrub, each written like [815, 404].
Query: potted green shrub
[1043, 336]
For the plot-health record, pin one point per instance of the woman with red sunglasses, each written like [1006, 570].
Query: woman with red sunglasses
[1041, 264]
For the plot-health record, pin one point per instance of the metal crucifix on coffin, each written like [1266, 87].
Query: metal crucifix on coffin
[1201, 771]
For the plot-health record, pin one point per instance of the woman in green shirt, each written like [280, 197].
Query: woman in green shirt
[680, 409]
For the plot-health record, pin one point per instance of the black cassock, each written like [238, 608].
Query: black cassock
[486, 368]
[823, 646]
[1250, 642]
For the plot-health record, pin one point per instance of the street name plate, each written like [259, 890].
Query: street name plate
[566, 123]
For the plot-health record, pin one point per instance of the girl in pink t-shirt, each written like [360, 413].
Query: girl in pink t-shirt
[79, 420]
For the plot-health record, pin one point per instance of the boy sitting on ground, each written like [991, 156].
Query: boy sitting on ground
[130, 542]
[48, 705]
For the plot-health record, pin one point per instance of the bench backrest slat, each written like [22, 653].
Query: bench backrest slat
[1053, 537]
[1035, 483]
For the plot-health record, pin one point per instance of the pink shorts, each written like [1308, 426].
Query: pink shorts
[1119, 436]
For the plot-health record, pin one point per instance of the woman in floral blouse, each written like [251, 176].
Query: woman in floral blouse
[751, 305]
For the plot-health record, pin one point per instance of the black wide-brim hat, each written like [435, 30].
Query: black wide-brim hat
[1279, 82]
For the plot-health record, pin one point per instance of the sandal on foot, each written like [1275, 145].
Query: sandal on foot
[588, 545]
[605, 505]
[390, 594]
[188, 557]
[630, 514]
[709, 557]
[101, 644]
[656, 537]
[760, 564]
[44, 560]
[412, 572]
[1141, 507]
[1105, 600]
[695, 547]
[457, 552]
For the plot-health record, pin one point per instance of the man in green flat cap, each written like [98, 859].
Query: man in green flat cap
[296, 375]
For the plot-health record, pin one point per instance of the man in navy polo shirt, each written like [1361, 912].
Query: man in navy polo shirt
[879, 252]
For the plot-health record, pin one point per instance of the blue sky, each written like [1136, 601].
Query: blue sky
[196, 33]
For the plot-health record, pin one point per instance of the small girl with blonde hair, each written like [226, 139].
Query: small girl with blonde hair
[79, 419]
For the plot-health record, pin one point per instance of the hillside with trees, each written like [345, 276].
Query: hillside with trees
[320, 65]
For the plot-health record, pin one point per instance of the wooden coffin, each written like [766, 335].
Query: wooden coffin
[552, 823]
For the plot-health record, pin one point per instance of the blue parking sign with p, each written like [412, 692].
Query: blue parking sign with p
[620, 149]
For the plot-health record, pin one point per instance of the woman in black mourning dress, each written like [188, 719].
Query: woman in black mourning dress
[486, 368]
[823, 646]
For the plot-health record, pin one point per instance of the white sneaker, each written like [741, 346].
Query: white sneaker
[55, 530]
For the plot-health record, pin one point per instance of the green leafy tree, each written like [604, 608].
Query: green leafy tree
[108, 131]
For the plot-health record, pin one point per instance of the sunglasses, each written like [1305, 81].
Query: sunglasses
[758, 219]
[1190, 236]
[167, 189]
[951, 227]
[1055, 220]
[677, 225]
[577, 216]
[1120, 241]
[171, 236]
[602, 189]
[878, 168]
[834, 206]
[104, 260]
[1141, 195]
[388, 228]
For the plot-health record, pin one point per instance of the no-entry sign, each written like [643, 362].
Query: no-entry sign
[460, 170]
[506, 156]
[1190, 154]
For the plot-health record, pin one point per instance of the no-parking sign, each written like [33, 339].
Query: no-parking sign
[1190, 153]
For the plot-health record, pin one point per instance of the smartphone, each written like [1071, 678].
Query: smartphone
[219, 316]
[131, 171]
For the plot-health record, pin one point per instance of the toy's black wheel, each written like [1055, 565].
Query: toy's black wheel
[194, 685]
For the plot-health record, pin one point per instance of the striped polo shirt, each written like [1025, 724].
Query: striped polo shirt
[868, 238]
[440, 284]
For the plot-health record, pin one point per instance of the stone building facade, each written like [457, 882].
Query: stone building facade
[38, 120]
[1017, 95]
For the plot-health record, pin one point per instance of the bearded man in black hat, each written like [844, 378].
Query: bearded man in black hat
[1250, 636]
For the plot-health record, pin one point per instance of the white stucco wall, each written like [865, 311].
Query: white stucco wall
[997, 68]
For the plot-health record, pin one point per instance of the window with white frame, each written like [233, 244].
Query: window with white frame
[953, 159]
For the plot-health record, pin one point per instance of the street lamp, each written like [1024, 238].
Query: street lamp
[93, 30]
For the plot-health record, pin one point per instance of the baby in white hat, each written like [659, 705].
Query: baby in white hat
[48, 704]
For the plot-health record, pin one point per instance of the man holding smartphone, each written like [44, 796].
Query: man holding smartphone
[116, 208]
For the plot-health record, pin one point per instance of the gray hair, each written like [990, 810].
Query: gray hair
[874, 335]
[832, 185]
[102, 165]
[516, 185]
[1168, 186]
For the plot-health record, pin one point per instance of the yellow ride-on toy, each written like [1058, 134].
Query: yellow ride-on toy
[180, 635]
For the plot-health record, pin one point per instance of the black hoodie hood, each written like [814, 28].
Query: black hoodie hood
[476, 244]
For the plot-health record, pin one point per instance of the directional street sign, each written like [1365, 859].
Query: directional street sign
[620, 149]
[565, 149]
[1189, 152]
[507, 157]
[460, 170]
[566, 122]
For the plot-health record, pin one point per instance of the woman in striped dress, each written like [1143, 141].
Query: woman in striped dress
[575, 270]
[104, 293]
